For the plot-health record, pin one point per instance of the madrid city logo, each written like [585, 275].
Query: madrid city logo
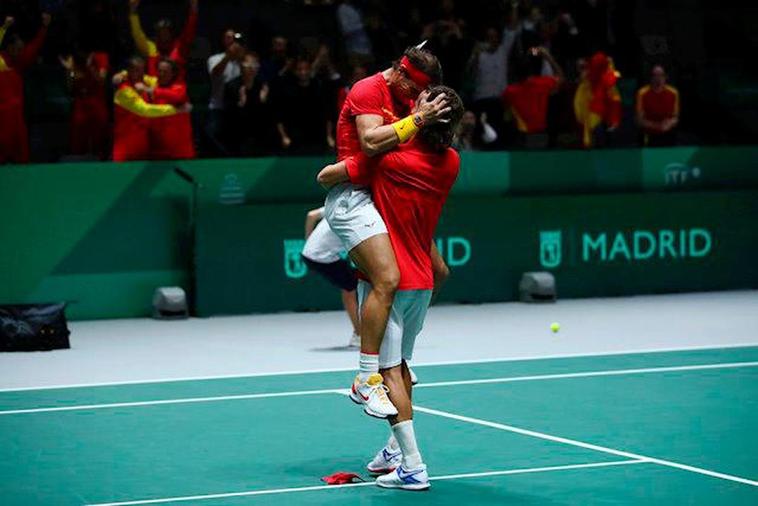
[294, 267]
[550, 248]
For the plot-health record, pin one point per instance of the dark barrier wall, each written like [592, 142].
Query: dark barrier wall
[102, 236]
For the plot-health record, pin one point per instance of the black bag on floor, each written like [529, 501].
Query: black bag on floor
[33, 327]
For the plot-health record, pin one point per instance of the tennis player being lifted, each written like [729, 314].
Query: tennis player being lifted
[409, 187]
[377, 116]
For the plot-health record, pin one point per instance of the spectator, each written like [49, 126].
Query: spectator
[357, 43]
[132, 112]
[358, 72]
[597, 103]
[300, 115]
[86, 75]
[329, 80]
[447, 41]
[165, 45]
[222, 67]
[658, 110]
[15, 58]
[488, 66]
[248, 117]
[528, 99]
[474, 133]
[278, 63]
[171, 136]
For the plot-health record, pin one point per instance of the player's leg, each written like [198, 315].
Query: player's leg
[350, 303]
[376, 259]
[412, 473]
[368, 388]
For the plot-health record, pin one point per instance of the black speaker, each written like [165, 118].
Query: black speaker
[33, 327]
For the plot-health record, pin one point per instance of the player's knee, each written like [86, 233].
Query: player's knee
[387, 281]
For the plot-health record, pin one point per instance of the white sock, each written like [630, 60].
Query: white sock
[392, 443]
[368, 365]
[406, 438]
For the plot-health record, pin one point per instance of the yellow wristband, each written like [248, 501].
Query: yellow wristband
[405, 128]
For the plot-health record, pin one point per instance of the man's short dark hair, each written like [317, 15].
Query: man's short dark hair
[439, 136]
[425, 61]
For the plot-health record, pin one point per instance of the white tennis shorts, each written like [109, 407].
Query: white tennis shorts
[351, 214]
[405, 322]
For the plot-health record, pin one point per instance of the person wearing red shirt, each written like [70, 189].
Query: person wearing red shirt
[410, 186]
[133, 112]
[528, 99]
[89, 111]
[15, 58]
[171, 136]
[164, 45]
[377, 115]
[657, 109]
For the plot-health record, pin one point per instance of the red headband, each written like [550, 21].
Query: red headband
[421, 79]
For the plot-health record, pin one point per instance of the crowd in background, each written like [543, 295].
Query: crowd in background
[533, 75]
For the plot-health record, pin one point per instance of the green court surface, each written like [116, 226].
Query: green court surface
[653, 428]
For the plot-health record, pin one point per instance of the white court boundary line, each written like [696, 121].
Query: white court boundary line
[370, 483]
[588, 446]
[193, 400]
[643, 351]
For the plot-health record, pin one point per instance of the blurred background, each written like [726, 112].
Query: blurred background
[703, 50]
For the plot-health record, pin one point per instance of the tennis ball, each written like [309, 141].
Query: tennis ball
[555, 327]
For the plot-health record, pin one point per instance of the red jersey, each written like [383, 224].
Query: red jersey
[658, 105]
[528, 101]
[368, 96]
[409, 186]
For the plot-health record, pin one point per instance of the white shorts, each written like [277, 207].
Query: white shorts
[351, 215]
[323, 245]
[405, 322]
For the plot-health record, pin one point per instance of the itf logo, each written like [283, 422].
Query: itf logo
[294, 267]
[550, 248]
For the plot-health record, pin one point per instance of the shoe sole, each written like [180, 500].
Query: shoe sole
[380, 471]
[366, 409]
[416, 487]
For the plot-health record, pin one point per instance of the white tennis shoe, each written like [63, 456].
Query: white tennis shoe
[385, 461]
[406, 479]
[373, 396]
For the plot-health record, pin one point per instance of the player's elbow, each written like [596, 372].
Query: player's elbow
[369, 147]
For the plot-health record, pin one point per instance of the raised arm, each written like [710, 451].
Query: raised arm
[145, 46]
[4, 28]
[190, 29]
[557, 70]
[31, 50]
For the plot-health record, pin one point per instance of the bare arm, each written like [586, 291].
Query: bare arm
[557, 70]
[312, 219]
[440, 270]
[333, 174]
[376, 137]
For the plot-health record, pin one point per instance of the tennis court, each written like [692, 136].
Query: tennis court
[645, 428]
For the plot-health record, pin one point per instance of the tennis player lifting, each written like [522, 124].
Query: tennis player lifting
[376, 117]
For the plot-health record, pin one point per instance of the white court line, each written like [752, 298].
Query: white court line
[370, 483]
[588, 446]
[642, 351]
[189, 400]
